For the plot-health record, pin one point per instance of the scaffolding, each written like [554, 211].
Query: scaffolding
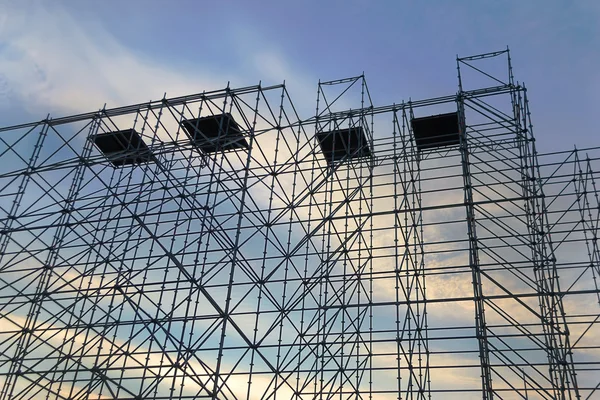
[221, 246]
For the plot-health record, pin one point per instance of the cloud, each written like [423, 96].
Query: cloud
[65, 65]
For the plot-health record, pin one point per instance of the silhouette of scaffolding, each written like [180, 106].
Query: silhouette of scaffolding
[221, 246]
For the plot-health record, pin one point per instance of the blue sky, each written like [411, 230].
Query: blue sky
[65, 57]
[73, 56]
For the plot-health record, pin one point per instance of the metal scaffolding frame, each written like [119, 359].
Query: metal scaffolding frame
[220, 246]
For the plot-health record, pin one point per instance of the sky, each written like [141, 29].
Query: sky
[64, 57]
[67, 57]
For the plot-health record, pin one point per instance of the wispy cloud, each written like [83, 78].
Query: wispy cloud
[64, 64]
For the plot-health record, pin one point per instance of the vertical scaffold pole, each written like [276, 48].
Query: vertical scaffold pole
[556, 332]
[480, 324]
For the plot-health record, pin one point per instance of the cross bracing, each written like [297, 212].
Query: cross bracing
[222, 245]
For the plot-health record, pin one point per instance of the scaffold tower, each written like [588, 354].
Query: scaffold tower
[223, 246]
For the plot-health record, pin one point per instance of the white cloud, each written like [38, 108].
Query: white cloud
[64, 65]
